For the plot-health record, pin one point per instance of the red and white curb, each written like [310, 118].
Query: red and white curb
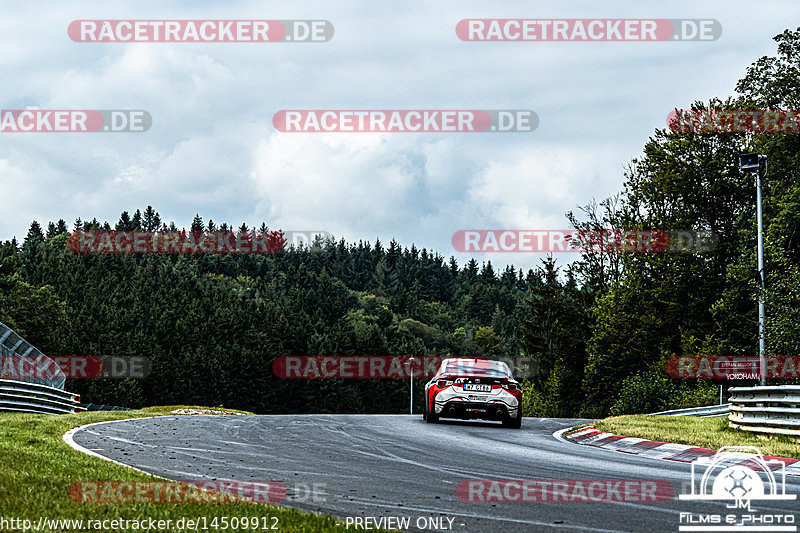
[682, 453]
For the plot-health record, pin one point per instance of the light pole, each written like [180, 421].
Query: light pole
[753, 163]
[411, 384]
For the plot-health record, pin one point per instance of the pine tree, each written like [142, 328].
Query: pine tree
[125, 223]
[94, 225]
[487, 274]
[151, 220]
[35, 235]
[137, 221]
[197, 223]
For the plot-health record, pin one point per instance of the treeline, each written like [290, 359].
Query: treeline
[213, 324]
[652, 306]
[600, 329]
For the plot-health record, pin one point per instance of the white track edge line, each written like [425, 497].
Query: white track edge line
[68, 438]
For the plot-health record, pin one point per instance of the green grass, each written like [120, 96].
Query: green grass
[37, 468]
[702, 432]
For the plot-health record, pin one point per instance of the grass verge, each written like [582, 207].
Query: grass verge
[695, 431]
[37, 468]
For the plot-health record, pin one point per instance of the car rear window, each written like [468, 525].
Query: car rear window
[477, 368]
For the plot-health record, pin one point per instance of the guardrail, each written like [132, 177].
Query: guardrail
[11, 344]
[708, 411]
[18, 396]
[771, 409]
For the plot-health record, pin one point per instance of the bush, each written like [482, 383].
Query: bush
[543, 401]
[646, 392]
[698, 395]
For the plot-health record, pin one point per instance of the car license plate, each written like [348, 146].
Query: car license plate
[477, 387]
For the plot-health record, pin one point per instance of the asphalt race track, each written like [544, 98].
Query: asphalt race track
[400, 466]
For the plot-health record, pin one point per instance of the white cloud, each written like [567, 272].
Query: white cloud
[212, 148]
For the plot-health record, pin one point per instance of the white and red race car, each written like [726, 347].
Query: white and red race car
[473, 388]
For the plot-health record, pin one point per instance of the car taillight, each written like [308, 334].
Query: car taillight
[443, 383]
[510, 387]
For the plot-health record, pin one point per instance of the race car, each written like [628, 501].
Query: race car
[473, 388]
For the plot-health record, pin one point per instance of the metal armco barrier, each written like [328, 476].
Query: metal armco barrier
[711, 410]
[18, 396]
[766, 409]
[11, 344]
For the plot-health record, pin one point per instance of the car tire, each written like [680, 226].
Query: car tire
[431, 418]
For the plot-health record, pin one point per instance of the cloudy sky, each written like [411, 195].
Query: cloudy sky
[212, 148]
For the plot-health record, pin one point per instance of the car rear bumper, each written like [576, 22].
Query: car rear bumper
[465, 409]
